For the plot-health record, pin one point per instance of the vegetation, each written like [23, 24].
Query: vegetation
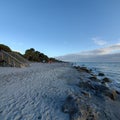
[5, 48]
[31, 55]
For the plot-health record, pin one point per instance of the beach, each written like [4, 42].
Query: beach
[35, 92]
[40, 92]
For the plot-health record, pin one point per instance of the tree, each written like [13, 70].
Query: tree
[37, 56]
[33, 55]
[29, 54]
[5, 48]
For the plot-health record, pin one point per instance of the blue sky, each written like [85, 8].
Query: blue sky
[58, 27]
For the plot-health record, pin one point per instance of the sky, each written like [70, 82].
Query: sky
[60, 27]
[106, 54]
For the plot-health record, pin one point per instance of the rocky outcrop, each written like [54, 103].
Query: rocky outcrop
[83, 69]
[91, 100]
[77, 108]
[94, 78]
[106, 80]
[112, 94]
[101, 74]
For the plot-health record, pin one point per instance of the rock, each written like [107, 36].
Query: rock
[99, 89]
[78, 109]
[82, 69]
[93, 86]
[118, 92]
[93, 116]
[94, 78]
[86, 94]
[86, 85]
[101, 74]
[77, 67]
[76, 116]
[92, 74]
[111, 94]
[106, 79]
[70, 106]
[91, 70]
[84, 113]
[105, 84]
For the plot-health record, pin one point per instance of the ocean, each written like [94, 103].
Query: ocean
[110, 69]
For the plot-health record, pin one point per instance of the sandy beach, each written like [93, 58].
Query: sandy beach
[38, 92]
[35, 92]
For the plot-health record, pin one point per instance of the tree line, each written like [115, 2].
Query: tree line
[31, 55]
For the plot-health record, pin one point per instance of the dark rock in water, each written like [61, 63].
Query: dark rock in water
[106, 79]
[91, 70]
[77, 67]
[82, 69]
[101, 74]
[92, 86]
[95, 99]
[118, 92]
[111, 94]
[105, 84]
[99, 89]
[94, 78]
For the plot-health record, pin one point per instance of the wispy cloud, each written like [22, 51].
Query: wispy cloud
[99, 41]
[103, 51]
[102, 54]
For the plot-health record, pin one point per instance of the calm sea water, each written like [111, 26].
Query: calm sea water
[111, 69]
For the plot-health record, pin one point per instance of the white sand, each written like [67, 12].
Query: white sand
[36, 92]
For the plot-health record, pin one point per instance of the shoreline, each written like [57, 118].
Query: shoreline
[56, 91]
[96, 100]
[110, 69]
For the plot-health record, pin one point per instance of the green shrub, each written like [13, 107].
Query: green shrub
[5, 48]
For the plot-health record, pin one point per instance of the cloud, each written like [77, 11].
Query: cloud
[109, 53]
[102, 51]
[99, 41]
[112, 48]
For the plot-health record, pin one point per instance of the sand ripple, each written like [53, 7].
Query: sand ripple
[36, 92]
